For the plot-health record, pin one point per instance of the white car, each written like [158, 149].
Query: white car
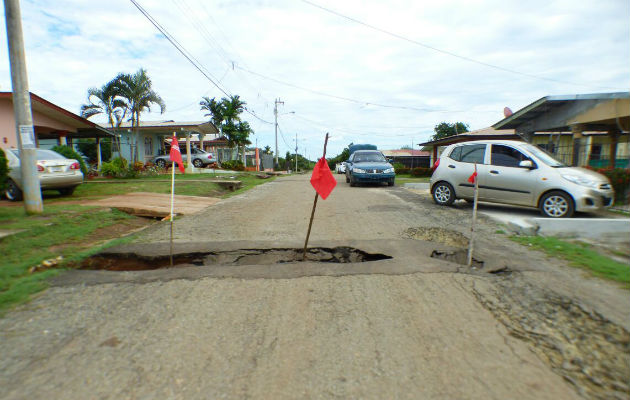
[341, 167]
[514, 172]
[54, 171]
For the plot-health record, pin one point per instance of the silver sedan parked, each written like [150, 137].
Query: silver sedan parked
[54, 171]
[514, 172]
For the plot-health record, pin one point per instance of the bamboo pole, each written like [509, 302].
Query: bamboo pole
[471, 245]
[310, 224]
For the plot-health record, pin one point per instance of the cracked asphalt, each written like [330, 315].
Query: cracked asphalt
[407, 327]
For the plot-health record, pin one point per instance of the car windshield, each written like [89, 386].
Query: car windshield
[43, 154]
[545, 157]
[369, 157]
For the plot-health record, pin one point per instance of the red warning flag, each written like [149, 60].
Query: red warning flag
[176, 155]
[472, 177]
[322, 179]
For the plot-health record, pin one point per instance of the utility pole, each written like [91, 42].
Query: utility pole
[296, 147]
[275, 112]
[22, 109]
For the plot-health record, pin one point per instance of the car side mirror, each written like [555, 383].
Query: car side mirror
[390, 160]
[526, 164]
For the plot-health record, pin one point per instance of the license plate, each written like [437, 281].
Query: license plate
[56, 169]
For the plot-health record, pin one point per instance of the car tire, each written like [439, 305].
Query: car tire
[161, 163]
[13, 192]
[352, 182]
[557, 204]
[347, 179]
[390, 183]
[198, 163]
[443, 194]
[67, 191]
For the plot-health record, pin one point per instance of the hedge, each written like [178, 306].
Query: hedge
[69, 152]
[619, 178]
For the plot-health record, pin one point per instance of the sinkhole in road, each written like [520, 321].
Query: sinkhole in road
[136, 262]
[456, 256]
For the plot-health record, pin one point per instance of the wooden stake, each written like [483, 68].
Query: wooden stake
[310, 224]
[471, 245]
[172, 202]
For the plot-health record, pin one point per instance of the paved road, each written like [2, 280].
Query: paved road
[410, 326]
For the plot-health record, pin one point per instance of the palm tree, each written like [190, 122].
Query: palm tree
[137, 91]
[225, 115]
[105, 101]
[215, 111]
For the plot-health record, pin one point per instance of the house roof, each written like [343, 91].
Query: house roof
[406, 153]
[558, 113]
[479, 134]
[84, 128]
[169, 126]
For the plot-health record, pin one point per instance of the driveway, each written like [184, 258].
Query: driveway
[231, 323]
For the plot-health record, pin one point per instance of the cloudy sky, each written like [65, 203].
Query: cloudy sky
[365, 71]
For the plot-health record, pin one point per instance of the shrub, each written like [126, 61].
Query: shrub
[4, 170]
[69, 152]
[401, 171]
[138, 166]
[398, 166]
[115, 168]
[421, 172]
[620, 180]
[235, 165]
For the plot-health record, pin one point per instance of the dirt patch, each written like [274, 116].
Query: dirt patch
[134, 262]
[439, 235]
[587, 350]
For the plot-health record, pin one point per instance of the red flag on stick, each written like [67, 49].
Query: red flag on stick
[176, 155]
[472, 178]
[322, 179]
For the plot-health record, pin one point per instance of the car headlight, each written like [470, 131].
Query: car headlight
[359, 170]
[580, 180]
[388, 171]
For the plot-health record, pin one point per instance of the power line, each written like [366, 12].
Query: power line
[472, 60]
[198, 65]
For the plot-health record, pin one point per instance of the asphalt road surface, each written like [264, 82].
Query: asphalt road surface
[242, 320]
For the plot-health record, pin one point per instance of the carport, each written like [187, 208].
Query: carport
[578, 113]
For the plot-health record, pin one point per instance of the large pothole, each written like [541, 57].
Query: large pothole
[135, 262]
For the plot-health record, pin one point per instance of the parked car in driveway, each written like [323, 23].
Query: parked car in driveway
[200, 159]
[365, 166]
[514, 172]
[54, 171]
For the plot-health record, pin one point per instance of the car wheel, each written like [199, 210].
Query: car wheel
[197, 163]
[347, 179]
[390, 183]
[443, 194]
[161, 163]
[352, 182]
[13, 192]
[67, 191]
[557, 205]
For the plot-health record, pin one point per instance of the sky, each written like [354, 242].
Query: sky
[365, 71]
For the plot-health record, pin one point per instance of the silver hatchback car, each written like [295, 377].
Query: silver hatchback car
[514, 172]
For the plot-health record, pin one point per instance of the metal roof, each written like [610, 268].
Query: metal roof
[548, 104]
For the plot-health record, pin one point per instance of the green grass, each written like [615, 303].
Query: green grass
[406, 178]
[58, 231]
[579, 255]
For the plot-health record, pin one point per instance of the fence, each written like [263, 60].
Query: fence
[593, 152]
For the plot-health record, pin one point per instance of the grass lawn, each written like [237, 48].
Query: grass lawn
[579, 255]
[407, 178]
[75, 231]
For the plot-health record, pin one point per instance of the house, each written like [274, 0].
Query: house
[579, 130]
[53, 125]
[408, 157]
[151, 141]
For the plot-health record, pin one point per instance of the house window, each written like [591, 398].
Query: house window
[548, 147]
[596, 152]
[148, 146]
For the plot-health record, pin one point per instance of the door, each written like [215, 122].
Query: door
[505, 181]
[461, 165]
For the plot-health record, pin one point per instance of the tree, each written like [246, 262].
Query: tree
[215, 111]
[137, 91]
[267, 150]
[225, 115]
[445, 129]
[104, 101]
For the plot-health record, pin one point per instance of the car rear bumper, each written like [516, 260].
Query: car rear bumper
[54, 181]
